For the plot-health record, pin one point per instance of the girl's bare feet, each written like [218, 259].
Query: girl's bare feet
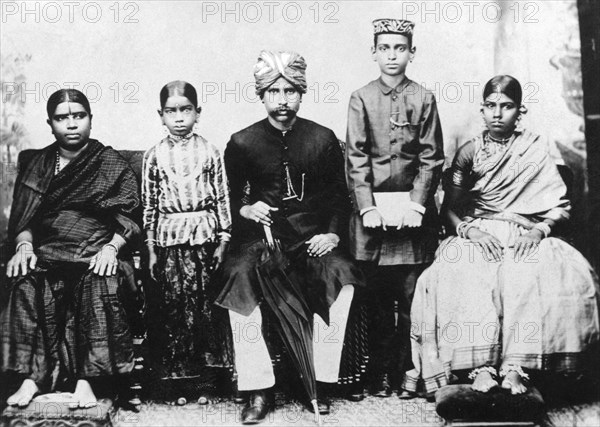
[207, 398]
[514, 383]
[24, 394]
[83, 397]
[484, 382]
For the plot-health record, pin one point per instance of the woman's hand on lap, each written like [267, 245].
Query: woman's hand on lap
[24, 259]
[105, 262]
[490, 245]
[527, 244]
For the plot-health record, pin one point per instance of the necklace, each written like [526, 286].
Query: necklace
[179, 138]
[61, 162]
[57, 166]
[501, 141]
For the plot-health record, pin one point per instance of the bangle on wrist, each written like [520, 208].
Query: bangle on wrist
[112, 245]
[463, 228]
[466, 230]
[544, 228]
[23, 243]
[460, 227]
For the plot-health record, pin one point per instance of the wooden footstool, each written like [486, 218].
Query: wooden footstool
[460, 405]
[52, 410]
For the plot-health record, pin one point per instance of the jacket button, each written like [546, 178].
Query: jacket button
[394, 156]
[394, 98]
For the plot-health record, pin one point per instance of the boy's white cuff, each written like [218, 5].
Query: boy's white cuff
[417, 207]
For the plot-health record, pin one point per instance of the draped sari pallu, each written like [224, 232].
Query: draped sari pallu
[62, 317]
[540, 312]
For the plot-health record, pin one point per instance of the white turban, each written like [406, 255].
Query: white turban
[273, 65]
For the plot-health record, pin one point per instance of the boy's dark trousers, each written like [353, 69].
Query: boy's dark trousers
[389, 340]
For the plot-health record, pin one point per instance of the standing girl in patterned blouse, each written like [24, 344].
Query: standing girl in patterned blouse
[187, 221]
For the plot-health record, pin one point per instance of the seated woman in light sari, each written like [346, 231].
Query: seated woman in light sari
[503, 293]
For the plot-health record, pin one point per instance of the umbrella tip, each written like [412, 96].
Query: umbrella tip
[316, 410]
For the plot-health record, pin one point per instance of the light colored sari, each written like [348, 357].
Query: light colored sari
[539, 313]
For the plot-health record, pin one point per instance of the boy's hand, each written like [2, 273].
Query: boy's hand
[373, 219]
[219, 255]
[411, 219]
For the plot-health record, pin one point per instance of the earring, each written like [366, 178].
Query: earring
[483, 123]
[195, 128]
[165, 130]
[518, 124]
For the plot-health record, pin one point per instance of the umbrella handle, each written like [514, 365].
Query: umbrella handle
[269, 235]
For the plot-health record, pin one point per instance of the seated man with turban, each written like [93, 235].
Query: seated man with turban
[287, 173]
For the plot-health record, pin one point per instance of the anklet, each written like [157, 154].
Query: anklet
[476, 371]
[504, 370]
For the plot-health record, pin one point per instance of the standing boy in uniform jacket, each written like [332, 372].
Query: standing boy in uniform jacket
[394, 145]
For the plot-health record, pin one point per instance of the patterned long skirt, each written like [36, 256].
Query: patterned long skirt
[65, 323]
[187, 333]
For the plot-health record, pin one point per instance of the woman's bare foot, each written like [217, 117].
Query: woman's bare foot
[83, 397]
[514, 383]
[24, 394]
[484, 382]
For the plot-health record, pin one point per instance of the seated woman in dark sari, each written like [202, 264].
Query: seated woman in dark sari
[71, 217]
[503, 293]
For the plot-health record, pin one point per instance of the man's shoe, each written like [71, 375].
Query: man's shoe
[381, 387]
[257, 408]
[406, 395]
[356, 392]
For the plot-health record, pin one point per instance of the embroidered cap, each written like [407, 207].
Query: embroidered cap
[393, 26]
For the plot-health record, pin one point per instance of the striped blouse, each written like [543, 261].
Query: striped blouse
[184, 192]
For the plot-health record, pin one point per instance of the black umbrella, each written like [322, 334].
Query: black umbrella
[281, 290]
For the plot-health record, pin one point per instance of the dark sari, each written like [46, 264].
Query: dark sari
[61, 319]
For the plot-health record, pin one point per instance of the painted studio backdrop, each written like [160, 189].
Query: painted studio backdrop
[121, 53]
